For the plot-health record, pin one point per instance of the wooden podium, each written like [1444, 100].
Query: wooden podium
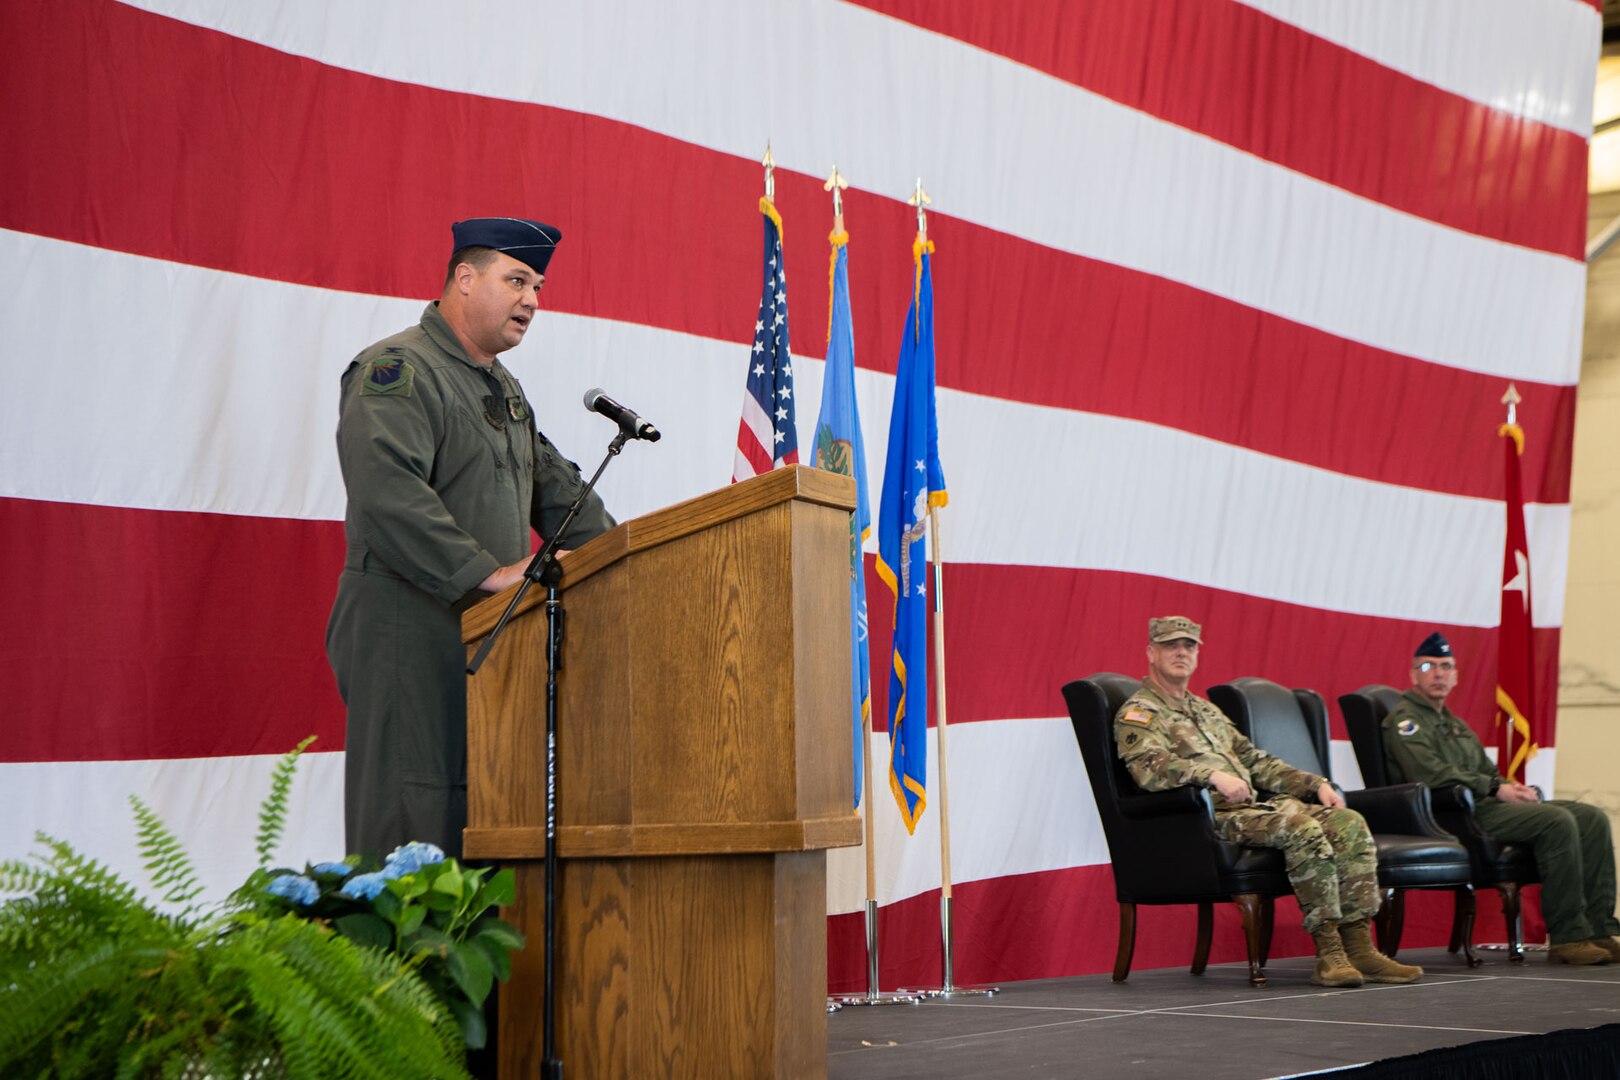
[704, 764]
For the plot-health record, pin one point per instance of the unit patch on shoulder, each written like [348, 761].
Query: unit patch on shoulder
[1407, 726]
[1136, 716]
[388, 374]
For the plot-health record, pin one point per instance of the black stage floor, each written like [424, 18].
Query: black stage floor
[1169, 1023]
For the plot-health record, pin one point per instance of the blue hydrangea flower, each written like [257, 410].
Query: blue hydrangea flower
[295, 887]
[410, 858]
[364, 886]
[336, 869]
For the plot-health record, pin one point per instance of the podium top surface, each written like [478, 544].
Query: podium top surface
[786, 484]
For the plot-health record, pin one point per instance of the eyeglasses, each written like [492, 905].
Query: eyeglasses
[1429, 665]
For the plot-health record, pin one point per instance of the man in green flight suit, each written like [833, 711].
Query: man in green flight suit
[1169, 737]
[446, 474]
[1427, 743]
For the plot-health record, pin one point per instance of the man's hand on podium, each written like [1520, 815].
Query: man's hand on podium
[507, 576]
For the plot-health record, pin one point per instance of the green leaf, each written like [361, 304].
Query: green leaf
[388, 905]
[499, 956]
[501, 890]
[499, 932]
[473, 1029]
[412, 920]
[365, 929]
[428, 939]
[438, 901]
[471, 970]
[408, 887]
[448, 881]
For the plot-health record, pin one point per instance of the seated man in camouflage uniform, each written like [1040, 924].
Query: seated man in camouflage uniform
[1427, 743]
[1169, 737]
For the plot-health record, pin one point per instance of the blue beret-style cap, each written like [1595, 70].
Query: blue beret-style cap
[530, 242]
[1434, 645]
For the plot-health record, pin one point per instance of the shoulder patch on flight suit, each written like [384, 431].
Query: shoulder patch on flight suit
[388, 374]
[1136, 716]
[1406, 726]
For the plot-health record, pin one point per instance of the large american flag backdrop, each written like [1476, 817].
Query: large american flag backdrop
[1227, 294]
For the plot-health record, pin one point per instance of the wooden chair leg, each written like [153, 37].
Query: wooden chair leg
[1206, 932]
[1268, 919]
[1514, 918]
[1462, 924]
[1391, 921]
[1250, 906]
[1127, 941]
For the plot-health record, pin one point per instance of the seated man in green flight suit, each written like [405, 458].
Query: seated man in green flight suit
[1427, 743]
[1170, 737]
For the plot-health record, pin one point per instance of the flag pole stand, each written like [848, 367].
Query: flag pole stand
[947, 921]
[873, 995]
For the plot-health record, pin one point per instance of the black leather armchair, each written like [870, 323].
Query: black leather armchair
[1163, 843]
[1414, 850]
[1497, 865]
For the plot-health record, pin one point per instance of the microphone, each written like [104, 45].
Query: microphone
[632, 425]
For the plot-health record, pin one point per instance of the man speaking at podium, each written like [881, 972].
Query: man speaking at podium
[446, 473]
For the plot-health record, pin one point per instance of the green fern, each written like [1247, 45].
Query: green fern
[166, 862]
[273, 811]
[97, 982]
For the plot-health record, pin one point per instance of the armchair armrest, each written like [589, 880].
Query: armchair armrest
[1177, 800]
[1452, 797]
[1399, 808]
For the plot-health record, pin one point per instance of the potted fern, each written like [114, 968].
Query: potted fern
[96, 981]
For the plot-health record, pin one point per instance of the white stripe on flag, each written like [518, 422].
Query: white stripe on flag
[1137, 191]
[1306, 535]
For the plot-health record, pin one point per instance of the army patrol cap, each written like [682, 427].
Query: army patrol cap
[1433, 645]
[530, 242]
[1171, 627]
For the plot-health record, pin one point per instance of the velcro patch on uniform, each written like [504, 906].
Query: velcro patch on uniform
[1136, 716]
[1407, 726]
[388, 375]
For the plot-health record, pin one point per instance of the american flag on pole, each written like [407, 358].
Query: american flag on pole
[768, 434]
[1191, 250]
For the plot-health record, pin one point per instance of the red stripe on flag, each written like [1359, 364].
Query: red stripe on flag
[1016, 625]
[193, 664]
[140, 163]
[150, 634]
[1457, 162]
[758, 458]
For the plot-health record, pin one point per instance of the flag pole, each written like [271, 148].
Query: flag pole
[947, 987]
[1511, 399]
[873, 996]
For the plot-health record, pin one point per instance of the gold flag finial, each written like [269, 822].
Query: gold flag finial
[836, 184]
[1511, 399]
[919, 199]
[770, 174]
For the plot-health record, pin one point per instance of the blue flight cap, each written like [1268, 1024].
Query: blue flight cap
[1434, 645]
[530, 242]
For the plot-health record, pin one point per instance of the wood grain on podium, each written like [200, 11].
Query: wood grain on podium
[705, 763]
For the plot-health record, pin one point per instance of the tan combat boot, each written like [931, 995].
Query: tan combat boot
[1578, 952]
[1374, 965]
[1608, 945]
[1333, 968]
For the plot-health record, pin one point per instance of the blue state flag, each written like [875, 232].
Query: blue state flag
[841, 449]
[912, 482]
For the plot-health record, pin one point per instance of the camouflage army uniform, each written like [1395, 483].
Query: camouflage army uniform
[1571, 840]
[445, 475]
[1330, 855]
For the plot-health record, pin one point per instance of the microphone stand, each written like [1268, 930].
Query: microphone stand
[543, 568]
